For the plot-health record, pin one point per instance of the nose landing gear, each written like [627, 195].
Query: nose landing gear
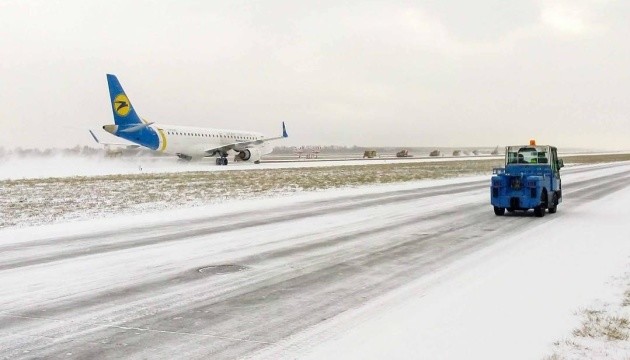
[221, 160]
[184, 157]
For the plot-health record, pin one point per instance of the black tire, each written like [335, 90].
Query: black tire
[217, 161]
[225, 161]
[539, 210]
[554, 204]
[499, 211]
[510, 210]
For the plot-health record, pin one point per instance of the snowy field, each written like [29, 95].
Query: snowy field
[44, 200]
[422, 269]
[15, 168]
[49, 200]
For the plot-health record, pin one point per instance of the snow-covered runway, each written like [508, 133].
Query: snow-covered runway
[230, 280]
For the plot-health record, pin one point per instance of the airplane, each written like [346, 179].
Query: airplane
[183, 141]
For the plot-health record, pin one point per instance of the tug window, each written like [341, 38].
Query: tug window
[527, 155]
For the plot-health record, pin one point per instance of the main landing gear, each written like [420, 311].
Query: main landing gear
[221, 161]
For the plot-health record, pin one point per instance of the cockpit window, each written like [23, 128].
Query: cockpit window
[527, 155]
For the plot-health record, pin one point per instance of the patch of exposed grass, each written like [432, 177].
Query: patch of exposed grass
[594, 159]
[604, 331]
[599, 324]
[37, 201]
[626, 298]
[554, 357]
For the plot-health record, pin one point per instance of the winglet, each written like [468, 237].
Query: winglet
[94, 136]
[284, 130]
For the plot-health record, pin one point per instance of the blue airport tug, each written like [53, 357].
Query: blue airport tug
[529, 180]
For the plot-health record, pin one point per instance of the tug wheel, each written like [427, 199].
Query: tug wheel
[539, 210]
[554, 204]
[499, 211]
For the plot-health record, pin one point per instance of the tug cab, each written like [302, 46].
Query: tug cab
[529, 180]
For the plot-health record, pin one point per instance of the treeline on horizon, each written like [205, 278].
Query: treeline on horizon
[77, 150]
[336, 149]
[280, 150]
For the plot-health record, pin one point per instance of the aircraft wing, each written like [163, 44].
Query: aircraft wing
[242, 145]
[237, 146]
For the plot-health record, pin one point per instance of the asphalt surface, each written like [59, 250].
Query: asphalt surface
[223, 287]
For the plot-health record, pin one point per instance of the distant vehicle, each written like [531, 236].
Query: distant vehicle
[435, 153]
[529, 180]
[369, 154]
[403, 153]
[315, 150]
[298, 151]
[185, 142]
[457, 153]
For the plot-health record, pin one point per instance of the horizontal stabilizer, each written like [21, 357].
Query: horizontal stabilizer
[136, 128]
[126, 146]
[94, 136]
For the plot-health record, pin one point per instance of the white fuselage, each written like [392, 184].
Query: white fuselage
[195, 142]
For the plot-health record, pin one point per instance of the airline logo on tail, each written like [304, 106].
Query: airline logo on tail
[121, 105]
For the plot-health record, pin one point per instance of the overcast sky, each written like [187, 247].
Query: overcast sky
[374, 73]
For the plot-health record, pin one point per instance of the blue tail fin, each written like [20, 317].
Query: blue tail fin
[124, 113]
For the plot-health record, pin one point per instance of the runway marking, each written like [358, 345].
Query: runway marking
[6, 314]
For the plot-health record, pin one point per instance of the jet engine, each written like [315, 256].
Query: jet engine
[252, 155]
